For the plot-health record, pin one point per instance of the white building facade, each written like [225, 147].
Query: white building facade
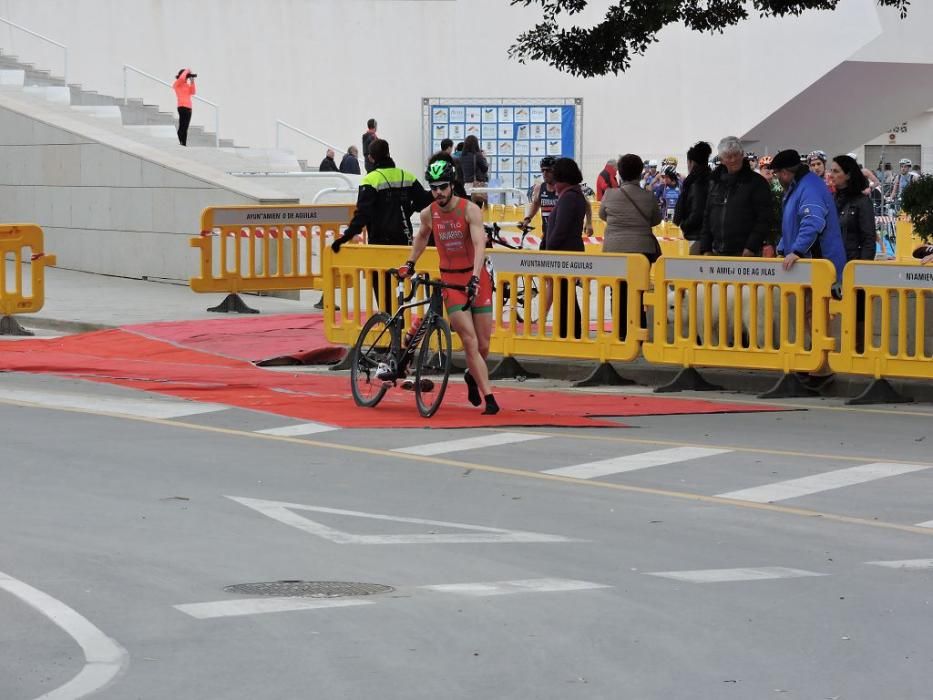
[832, 80]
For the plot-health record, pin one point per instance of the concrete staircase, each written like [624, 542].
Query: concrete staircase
[139, 121]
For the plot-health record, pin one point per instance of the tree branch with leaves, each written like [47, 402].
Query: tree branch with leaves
[631, 26]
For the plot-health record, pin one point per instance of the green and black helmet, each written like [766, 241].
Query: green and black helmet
[439, 171]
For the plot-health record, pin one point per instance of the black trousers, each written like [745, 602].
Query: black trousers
[567, 289]
[622, 291]
[184, 119]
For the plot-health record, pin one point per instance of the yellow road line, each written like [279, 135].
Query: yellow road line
[509, 471]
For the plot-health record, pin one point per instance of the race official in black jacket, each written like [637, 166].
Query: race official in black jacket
[737, 217]
[387, 199]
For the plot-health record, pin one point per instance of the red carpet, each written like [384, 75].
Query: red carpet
[259, 339]
[128, 359]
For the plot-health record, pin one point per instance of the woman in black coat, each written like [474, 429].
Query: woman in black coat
[565, 232]
[857, 223]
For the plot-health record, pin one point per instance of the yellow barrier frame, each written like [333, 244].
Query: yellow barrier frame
[15, 240]
[599, 277]
[261, 258]
[754, 289]
[901, 349]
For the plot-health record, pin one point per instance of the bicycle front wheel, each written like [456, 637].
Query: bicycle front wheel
[432, 369]
[373, 346]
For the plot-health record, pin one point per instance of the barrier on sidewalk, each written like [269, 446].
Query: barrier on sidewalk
[894, 300]
[20, 243]
[264, 248]
[742, 313]
[906, 240]
[596, 309]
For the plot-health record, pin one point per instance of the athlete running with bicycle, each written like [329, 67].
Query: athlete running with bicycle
[457, 227]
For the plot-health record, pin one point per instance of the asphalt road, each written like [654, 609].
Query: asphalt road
[742, 556]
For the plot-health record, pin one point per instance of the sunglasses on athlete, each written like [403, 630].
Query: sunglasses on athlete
[440, 186]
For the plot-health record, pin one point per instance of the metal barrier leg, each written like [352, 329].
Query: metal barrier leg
[233, 304]
[509, 368]
[604, 375]
[789, 386]
[879, 391]
[10, 326]
[688, 379]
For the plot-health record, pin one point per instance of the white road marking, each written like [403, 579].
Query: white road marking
[127, 406]
[261, 606]
[904, 564]
[794, 488]
[928, 523]
[104, 658]
[300, 429]
[533, 585]
[439, 448]
[284, 513]
[629, 463]
[725, 575]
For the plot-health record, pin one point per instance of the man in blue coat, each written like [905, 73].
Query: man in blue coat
[810, 224]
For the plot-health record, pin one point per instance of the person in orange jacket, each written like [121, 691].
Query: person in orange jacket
[184, 88]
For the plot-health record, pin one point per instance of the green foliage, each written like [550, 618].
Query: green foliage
[917, 203]
[631, 26]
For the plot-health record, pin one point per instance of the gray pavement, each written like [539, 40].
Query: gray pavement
[644, 582]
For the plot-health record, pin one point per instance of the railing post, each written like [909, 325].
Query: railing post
[65, 49]
[124, 87]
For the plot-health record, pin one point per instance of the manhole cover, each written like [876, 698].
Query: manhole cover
[309, 589]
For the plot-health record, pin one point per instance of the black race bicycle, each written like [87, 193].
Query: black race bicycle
[494, 238]
[379, 360]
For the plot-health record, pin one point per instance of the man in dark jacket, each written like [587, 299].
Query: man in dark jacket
[387, 199]
[691, 206]
[368, 137]
[738, 211]
[350, 163]
[328, 165]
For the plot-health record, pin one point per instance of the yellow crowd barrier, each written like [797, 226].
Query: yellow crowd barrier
[20, 243]
[906, 240]
[743, 313]
[356, 280]
[595, 310]
[887, 311]
[265, 247]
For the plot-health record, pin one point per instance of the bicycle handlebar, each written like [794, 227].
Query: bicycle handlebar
[423, 279]
[493, 236]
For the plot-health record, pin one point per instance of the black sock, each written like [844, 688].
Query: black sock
[472, 389]
[491, 406]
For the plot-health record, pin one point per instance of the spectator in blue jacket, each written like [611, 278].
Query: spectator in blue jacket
[810, 224]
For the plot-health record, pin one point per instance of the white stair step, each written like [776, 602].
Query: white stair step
[162, 131]
[50, 93]
[12, 77]
[102, 111]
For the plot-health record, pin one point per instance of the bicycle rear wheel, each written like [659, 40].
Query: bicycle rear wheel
[373, 346]
[433, 365]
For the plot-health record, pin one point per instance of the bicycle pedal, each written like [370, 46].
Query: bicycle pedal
[426, 385]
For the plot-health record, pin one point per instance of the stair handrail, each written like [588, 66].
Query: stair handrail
[44, 38]
[280, 123]
[127, 68]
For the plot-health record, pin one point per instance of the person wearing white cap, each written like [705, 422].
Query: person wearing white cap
[651, 175]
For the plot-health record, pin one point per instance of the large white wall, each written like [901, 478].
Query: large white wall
[327, 65]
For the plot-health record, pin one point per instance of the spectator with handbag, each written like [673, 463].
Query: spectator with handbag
[474, 169]
[630, 213]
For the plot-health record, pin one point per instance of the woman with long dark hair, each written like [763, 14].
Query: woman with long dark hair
[474, 169]
[857, 223]
[565, 232]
